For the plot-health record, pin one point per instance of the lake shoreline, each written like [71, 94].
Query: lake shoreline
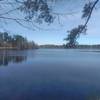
[15, 48]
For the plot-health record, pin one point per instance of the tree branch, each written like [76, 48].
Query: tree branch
[90, 14]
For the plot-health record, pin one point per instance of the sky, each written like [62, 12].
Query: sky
[56, 32]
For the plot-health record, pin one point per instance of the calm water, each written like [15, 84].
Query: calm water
[50, 74]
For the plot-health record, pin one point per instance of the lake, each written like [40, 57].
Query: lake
[50, 74]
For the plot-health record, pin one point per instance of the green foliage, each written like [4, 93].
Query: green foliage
[16, 41]
[87, 9]
[37, 9]
[74, 34]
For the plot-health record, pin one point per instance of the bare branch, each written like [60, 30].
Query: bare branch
[24, 25]
[10, 11]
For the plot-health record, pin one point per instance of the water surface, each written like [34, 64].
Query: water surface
[50, 74]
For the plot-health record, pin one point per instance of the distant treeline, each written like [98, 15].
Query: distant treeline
[67, 47]
[8, 41]
[51, 46]
[88, 46]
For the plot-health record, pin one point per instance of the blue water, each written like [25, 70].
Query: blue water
[50, 74]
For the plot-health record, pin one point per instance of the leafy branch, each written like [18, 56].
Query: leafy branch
[75, 32]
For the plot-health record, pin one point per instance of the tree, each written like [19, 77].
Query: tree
[5, 36]
[1, 39]
[75, 32]
[16, 41]
[19, 41]
[40, 11]
[35, 11]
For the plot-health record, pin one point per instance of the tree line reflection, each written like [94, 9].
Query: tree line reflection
[5, 59]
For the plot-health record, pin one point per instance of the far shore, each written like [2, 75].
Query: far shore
[51, 46]
[14, 48]
[89, 47]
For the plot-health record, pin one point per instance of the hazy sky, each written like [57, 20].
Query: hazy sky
[57, 31]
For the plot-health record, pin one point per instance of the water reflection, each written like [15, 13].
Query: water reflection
[6, 59]
[50, 75]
